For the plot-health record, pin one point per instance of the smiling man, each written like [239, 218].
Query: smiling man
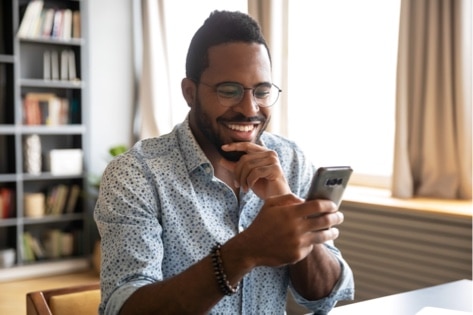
[210, 217]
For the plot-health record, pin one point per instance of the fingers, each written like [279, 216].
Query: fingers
[259, 166]
[321, 221]
[247, 147]
[287, 228]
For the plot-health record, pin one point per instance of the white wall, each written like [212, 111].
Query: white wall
[110, 78]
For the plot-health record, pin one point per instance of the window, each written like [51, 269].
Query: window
[342, 81]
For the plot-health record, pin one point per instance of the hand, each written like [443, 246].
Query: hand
[258, 170]
[287, 229]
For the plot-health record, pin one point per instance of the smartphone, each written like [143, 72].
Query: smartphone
[329, 183]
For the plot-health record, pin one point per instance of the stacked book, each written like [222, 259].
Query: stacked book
[44, 22]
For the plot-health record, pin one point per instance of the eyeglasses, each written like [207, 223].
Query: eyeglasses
[230, 94]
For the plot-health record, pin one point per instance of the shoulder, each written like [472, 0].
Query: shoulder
[157, 150]
[285, 147]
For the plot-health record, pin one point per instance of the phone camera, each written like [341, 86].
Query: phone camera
[334, 181]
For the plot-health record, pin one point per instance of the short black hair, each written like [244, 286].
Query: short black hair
[219, 28]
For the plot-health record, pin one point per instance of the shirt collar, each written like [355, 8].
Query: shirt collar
[193, 154]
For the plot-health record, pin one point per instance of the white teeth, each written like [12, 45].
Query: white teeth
[244, 128]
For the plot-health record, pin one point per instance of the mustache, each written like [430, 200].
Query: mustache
[242, 118]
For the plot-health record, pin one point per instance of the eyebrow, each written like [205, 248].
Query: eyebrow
[238, 83]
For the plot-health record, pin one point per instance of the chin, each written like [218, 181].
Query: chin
[233, 156]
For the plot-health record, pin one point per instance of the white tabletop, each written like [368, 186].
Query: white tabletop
[442, 299]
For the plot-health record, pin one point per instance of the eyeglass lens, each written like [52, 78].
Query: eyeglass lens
[231, 94]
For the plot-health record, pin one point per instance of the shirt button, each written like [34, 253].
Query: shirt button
[241, 229]
[208, 170]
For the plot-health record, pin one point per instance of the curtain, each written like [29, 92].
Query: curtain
[433, 141]
[272, 17]
[153, 98]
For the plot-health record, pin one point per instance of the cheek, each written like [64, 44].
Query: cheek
[208, 110]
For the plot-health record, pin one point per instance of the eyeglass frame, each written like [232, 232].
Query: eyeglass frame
[216, 86]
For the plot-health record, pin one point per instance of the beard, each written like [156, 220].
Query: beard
[204, 123]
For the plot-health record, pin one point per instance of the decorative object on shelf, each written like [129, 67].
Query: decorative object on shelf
[65, 161]
[7, 257]
[32, 152]
[34, 205]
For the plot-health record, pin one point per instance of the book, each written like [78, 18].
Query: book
[47, 65]
[48, 20]
[54, 112]
[6, 202]
[34, 247]
[54, 65]
[76, 31]
[64, 64]
[74, 111]
[66, 32]
[57, 24]
[27, 254]
[67, 244]
[33, 107]
[31, 110]
[73, 198]
[41, 108]
[72, 66]
[60, 199]
[64, 112]
[30, 18]
[52, 243]
[50, 199]
[36, 26]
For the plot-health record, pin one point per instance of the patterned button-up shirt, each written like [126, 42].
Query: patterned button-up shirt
[161, 209]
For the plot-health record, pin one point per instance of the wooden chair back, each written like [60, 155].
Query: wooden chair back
[80, 299]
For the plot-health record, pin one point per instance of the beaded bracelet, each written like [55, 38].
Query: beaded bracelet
[222, 280]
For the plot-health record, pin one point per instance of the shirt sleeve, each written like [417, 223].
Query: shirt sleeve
[132, 249]
[343, 290]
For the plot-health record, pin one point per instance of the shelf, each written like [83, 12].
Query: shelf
[54, 218]
[8, 129]
[10, 222]
[46, 176]
[73, 129]
[40, 83]
[53, 130]
[8, 177]
[54, 41]
[7, 59]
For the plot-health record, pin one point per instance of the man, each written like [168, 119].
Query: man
[209, 218]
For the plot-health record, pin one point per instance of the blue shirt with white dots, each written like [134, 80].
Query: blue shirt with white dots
[161, 209]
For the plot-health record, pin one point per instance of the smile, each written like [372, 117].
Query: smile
[243, 128]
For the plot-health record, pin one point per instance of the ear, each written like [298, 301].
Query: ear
[189, 91]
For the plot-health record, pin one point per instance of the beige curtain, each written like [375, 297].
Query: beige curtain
[433, 142]
[272, 17]
[153, 81]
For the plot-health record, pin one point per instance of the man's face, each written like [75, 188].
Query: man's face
[214, 124]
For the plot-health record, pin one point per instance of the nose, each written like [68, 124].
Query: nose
[247, 105]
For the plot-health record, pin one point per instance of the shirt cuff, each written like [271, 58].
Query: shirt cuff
[343, 290]
[121, 294]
